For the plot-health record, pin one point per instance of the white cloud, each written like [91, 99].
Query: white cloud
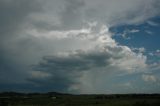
[134, 31]
[149, 32]
[140, 50]
[152, 23]
[126, 33]
[155, 53]
[158, 51]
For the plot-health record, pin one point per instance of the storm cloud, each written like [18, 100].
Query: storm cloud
[68, 68]
[66, 45]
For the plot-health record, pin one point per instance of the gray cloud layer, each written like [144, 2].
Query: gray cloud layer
[72, 14]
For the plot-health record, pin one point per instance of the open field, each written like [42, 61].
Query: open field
[55, 99]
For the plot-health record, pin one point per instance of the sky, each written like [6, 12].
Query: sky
[80, 46]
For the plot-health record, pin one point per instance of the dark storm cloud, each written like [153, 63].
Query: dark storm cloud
[13, 15]
[7, 67]
[65, 70]
[73, 62]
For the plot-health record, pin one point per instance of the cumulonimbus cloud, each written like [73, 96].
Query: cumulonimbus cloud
[65, 46]
[105, 55]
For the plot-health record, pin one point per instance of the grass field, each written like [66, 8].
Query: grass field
[79, 100]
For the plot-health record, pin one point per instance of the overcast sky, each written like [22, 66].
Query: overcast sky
[80, 46]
